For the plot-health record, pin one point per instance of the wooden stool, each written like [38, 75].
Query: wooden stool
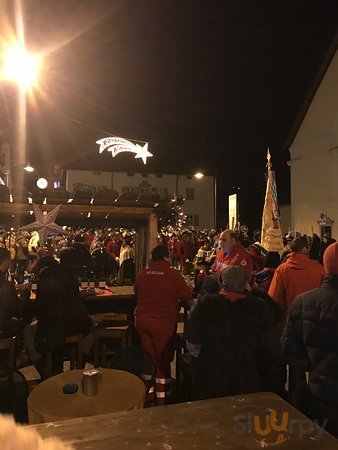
[8, 346]
[110, 327]
[72, 343]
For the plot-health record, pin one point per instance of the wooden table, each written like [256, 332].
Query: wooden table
[118, 391]
[223, 423]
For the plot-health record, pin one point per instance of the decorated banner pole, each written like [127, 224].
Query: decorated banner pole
[271, 237]
[117, 145]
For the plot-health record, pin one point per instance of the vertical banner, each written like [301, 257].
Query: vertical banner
[233, 211]
[271, 238]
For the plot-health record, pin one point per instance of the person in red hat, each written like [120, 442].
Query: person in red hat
[311, 334]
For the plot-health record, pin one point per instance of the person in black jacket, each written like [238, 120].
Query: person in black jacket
[311, 335]
[231, 333]
[12, 307]
[77, 257]
[60, 313]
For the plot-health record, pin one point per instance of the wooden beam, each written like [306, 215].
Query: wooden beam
[24, 208]
[152, 233]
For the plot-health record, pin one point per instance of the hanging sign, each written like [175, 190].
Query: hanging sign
[117, 145]
[233, 211]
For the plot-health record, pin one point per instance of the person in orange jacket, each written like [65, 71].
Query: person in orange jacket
[160, 292]
[296, 275]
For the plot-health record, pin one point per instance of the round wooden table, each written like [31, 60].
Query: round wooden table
[118, 391]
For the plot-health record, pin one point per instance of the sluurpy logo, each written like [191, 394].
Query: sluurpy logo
[274, 429]
[277, 431]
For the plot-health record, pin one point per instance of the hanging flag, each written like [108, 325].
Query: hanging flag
[271, 238]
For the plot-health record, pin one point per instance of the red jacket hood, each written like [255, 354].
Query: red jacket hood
[298, 261]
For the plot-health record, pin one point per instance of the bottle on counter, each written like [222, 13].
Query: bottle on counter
[91, 282]
[84, 279]
[102, 281]
[34, 282]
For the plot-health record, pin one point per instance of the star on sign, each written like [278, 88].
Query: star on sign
[44, 223]
[142, 152]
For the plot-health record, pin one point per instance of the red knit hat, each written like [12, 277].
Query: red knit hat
[330, 259]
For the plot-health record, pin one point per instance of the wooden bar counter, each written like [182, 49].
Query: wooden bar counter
[119, 299]
[224, 423]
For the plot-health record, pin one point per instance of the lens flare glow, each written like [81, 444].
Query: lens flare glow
[21, 66]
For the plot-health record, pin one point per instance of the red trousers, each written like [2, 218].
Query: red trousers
[157, 337]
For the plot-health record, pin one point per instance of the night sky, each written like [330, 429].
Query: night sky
[209, 84]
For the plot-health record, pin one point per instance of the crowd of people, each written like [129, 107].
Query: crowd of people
[96, 252]
[251, 312]
[194, 252]
[255, 315]
[54, 273]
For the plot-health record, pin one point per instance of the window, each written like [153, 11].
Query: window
[189, 194]
[193, 219]
[164, 192]
[128, 189]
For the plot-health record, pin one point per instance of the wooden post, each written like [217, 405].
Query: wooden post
[152, 233]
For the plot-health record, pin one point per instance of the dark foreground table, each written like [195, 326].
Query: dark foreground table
[227, 423]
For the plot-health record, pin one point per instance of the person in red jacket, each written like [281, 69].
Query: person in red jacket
[296, 275]
[232, 254]
[186, 252]
[160, 292]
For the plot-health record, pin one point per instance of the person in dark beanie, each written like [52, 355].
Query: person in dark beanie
[210, 286]
[160, 292]
[77, 257]
[270, 263]
[315, 248]
[296, 275]
[311, 334]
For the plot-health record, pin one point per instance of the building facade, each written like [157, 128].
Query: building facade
[198, 194]
[314, 161]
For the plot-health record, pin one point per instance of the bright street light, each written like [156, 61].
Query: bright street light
[199, 175]
[21, 67]
[42, 183]
[29, 168]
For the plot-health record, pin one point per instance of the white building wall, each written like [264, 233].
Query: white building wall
[314, 159]
[285, 218]
[202, 204]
